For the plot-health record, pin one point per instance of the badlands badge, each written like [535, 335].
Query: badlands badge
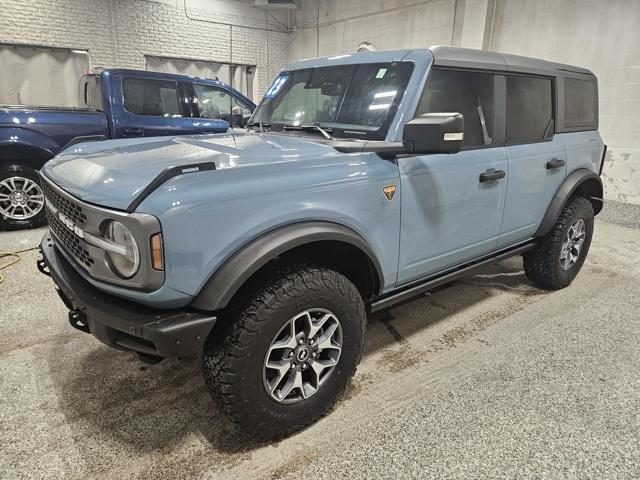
[389, 190]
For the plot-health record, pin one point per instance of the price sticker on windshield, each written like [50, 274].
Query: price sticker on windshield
[276, 86]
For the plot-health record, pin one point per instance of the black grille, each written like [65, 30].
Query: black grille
[68, 208]
[69, 241]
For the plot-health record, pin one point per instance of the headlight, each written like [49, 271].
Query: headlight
[126, 262]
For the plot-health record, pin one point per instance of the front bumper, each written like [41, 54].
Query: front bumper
[120, 323]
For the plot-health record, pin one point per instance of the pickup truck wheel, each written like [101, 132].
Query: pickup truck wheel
[559, 256]
[288, 353]
[21, 198]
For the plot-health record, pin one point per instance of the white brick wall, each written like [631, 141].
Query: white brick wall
[388, 24]
[119, 33]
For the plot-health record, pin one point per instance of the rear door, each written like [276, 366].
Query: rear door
[150, 107]
[537, 157]
[452, 204]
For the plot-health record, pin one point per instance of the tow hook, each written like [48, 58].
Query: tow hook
[43, 267]
[78, 320]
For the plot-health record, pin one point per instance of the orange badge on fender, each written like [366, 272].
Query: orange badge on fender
[389, 190]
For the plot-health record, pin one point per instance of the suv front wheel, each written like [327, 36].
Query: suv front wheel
[557, 259]
[288, 352]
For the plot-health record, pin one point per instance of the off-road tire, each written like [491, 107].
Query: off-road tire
[542, 264]
[234, 356]
[6, 223]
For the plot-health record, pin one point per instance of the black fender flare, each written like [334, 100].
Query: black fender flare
[218, 291]
[581, 177]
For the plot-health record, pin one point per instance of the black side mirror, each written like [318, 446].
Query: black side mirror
[434, 133]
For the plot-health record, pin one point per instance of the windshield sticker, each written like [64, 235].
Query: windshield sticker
[276, 86]
[381, 73]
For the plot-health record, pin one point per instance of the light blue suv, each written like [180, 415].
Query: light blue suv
[361, 181]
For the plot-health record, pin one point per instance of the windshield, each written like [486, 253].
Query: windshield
[355, 101]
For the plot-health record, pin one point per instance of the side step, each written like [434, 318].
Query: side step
[413, 290]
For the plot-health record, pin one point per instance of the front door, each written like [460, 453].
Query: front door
[452, 204]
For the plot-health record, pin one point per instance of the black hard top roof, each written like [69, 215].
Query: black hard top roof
[482, 59]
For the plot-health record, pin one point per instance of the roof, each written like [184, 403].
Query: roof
[451, 57]
[471, 58]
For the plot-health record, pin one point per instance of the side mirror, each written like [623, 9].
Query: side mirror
[237, 119]
[434, 133]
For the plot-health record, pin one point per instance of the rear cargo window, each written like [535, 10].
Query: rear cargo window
[529, 109]
[580, 103]
[157, 98]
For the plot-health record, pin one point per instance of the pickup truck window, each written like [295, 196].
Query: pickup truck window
[470, 94]
[157, 98]
[529, 108]
[217, 103]
[349, 100]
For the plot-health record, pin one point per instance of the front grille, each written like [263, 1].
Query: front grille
[67, 240]
[68, 208]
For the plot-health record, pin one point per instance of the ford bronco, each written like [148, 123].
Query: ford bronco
[361, 181]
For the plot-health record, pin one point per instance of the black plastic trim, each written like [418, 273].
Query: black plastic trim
[406, 293]
[228, 279]
[165, 175]
[123, 324]
[564, 192]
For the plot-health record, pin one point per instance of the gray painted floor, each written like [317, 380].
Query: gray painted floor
[489, 378]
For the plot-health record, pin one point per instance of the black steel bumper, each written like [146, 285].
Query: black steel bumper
[120, 323]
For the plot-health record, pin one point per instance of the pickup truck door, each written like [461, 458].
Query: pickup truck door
[215, 105]
[146, 106]
[452, 205]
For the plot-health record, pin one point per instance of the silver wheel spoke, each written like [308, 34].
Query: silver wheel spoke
[296, 364]
[20, 198]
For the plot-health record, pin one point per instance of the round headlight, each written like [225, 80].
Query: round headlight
[126, 263]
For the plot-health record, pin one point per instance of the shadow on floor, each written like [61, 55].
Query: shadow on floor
[111, 393]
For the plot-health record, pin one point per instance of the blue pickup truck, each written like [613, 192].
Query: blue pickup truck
[361, 182]
[115, 104]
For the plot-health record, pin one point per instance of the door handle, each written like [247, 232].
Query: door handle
[492, 175]
[133, 132]
[555, 163]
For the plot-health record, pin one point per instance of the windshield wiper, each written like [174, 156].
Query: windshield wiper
[261, 126]
[325, 132]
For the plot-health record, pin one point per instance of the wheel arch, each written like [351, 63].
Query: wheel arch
[582, 182]
[33, 156]
[326, 243]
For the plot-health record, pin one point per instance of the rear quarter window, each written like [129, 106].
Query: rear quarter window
[580, 103]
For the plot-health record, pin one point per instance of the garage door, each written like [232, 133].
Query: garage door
[240, 76]
[41, 76]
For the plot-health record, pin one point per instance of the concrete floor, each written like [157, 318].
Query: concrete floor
[489, 378]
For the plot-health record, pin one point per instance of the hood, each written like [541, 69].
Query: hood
[112, 173]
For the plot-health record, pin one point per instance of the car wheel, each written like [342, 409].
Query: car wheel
[21, 198]
[559, 256]
[288, 352]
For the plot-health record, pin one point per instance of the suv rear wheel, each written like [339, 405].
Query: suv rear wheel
[21, 198]
[288, 353]
[559, 256]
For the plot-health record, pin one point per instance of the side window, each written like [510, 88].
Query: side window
[529, 108]
[240, 112]
[470, 94]
[151, 97]
[212, 102]
[580, 103]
